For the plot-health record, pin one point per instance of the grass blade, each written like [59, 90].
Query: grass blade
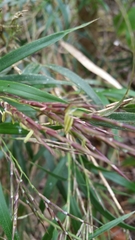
[106, 213]
[5, 220]
[109, 225]
[34, 79]
[29, 92]
[9, 128]
[78, 81]
[30, 48]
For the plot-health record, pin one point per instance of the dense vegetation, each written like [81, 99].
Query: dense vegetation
[67, 124]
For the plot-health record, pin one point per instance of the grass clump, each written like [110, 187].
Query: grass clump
[63, 149]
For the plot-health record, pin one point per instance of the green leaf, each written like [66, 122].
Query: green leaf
[52, 180]
[129, 161]
[75, 210]
[106, 213]
[96, 122]
[26, 109]
[119, 180]
[30, 48]
[28, 92]
[33, 79]
[121, 25]
[31, 68]
[5, 219]
[81, 83]
[49, 172]
[109, 225]
[123, 117]
[114, 177]
[55, 234]
[96, 204]
[117, 94]
[9, 128]
[49, 233]
[129, 108]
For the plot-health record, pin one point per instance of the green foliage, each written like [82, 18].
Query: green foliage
[62, 133]
[5, 219]
[78, 81]
[121, 26]
[109, 225]
[126, 27]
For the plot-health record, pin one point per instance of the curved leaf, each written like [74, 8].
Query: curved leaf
[109, 225]
[81, 83]
[28, 92]
[30, 48]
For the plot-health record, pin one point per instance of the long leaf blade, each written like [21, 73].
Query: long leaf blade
[109, 225]
[9, 128]
[30, 48]
[29, 92]
[33, 79]
[5, 220]
[78, 81]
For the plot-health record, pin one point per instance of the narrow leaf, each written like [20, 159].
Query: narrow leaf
[51, 181]
[28, 92]
[5, 220]
[9, 128]
[109, 225]
[96, 204]
[49, 172]
[106, 213]
[33, 79]
[30, 48]
[82, 84]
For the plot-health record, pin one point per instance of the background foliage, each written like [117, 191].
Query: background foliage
[67, 119]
